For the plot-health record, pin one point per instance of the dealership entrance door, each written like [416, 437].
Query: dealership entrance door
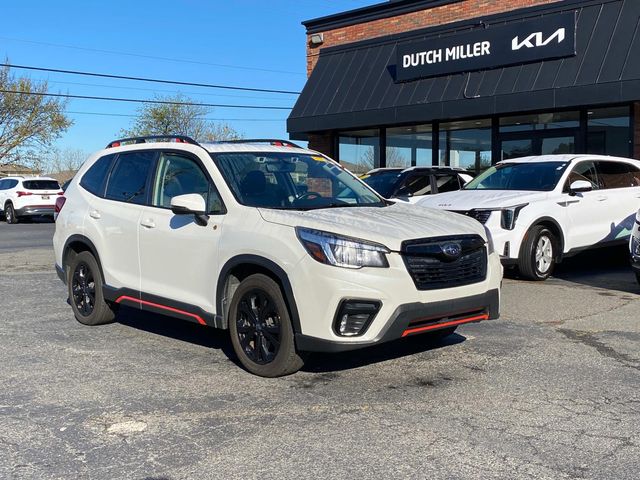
[522, 144]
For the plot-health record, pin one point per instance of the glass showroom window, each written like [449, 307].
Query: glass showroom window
[359, 151]
[609, 131]
[466, 144]
[409, 146]
[540, 121]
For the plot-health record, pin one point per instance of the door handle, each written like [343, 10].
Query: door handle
[601, 198]
[149, 223]
[94, 214]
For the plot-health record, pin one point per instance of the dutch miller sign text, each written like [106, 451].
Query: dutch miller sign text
[552, 36]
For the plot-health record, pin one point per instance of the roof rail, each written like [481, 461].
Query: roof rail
[146, 139]
[271, 141]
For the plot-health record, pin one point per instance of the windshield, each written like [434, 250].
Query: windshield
[292, 181]
[539, 177]
[384, 183]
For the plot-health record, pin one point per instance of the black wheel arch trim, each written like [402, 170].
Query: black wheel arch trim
[266, 264]
[89, 244]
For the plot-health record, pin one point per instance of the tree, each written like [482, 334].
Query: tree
[28, 123]
[172, 119]
[67, 160]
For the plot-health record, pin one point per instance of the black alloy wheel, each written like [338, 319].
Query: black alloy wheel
[83, 289]
[260, 328]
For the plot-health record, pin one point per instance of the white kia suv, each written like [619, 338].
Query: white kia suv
[278, 244]
[22, 197]
[540, 209]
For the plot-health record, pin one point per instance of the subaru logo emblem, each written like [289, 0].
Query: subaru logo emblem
[451, 250]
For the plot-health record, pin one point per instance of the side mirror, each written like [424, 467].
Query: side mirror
[580, 186]
[191, 204]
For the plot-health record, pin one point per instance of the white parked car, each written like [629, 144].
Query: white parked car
[277, 244]
[22, 197]
[540, 209]
[634, 247]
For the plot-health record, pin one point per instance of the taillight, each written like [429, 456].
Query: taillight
[60, 192]
[24, 194]
[59, 204]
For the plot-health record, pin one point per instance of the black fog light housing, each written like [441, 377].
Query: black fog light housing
[355, 316]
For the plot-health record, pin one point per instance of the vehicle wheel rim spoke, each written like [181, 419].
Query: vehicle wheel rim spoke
[83, 290]
[544, 254]
[258, 327]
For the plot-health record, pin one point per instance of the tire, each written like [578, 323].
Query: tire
[10, 214]
[85, 283]
[538, 254]
[258, 315]
[638, 276]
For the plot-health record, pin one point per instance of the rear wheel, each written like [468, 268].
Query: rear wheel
[260, 328]
[85, 291]
[538, 254]
[10, 214]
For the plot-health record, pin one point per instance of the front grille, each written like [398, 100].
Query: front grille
[431, 267]
[480, 215]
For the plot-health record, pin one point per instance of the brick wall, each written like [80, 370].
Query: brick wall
[322, 143]
[413, 21]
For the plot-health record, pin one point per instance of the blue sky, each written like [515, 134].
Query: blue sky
[263, 41]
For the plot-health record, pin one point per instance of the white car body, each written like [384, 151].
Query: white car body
[634, 247]
[17, 199]
[582, 220]
[147, 261]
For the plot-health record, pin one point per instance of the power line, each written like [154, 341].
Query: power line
[138, 100]
[104, 114]
[152, 57]
[143, 79]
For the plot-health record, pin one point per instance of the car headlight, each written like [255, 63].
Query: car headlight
[332, 249]
[510, 216]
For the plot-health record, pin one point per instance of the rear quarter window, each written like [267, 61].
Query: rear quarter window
[94, 179]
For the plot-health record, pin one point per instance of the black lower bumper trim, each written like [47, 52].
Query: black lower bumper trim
[61, 274]
[435, 314]
[35, 211]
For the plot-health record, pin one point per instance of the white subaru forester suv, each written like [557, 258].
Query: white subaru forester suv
[541, 209]
[278, 244]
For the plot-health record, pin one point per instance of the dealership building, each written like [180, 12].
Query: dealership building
[467, 83]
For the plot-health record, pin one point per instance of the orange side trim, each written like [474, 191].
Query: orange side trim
[478, 318]
[163, 307]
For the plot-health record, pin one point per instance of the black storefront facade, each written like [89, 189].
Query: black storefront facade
[557, 78]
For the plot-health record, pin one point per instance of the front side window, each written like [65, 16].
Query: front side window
[94, 178]
[415, 185]
[292, 181]
[128, 180]
[448, 183]
[180, 175]
[583, 171]
[385, 182]
[616, 174]
[528, 176]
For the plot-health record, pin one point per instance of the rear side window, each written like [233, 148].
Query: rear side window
[41, 185]
[3, 184]
[448, 183]
[128, 179]
[8, 184]
[93, 180]
[616, 175]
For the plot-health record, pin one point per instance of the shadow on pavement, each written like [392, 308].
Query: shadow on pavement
[317, 362]
[607, 268]
[334, 362]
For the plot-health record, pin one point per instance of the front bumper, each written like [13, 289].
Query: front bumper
[415, 318]
[36, 210]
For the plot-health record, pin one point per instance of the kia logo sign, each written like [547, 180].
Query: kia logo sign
[536, 40]
[451, 251]
[548, 37]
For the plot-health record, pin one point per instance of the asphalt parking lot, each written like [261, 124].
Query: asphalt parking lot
[549, 391]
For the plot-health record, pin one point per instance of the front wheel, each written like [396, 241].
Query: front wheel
[260, 328]
[538, 254]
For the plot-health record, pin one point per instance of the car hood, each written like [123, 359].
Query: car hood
[389, 225]
[475, 199]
